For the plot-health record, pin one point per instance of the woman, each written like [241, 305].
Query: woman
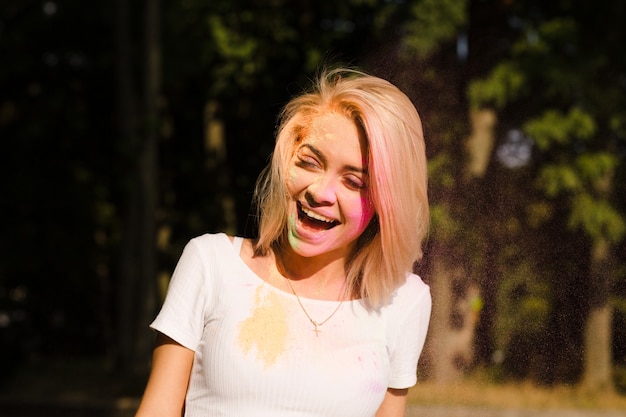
[321, 316]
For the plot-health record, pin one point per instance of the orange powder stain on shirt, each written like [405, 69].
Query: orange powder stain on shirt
[266, 328]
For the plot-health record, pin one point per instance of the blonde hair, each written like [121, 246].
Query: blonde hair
[388, 248]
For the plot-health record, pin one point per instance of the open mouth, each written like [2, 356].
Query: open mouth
[314, 220]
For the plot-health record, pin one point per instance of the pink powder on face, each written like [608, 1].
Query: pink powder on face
[327, 179]
[369, 211]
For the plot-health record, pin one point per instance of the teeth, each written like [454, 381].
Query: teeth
[316, 216]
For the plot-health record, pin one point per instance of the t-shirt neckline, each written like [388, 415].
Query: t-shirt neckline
[237, 244]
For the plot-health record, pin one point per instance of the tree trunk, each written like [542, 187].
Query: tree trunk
[148, 186]
[456, 295]
[127, 125]
[480, 144]
[453, 322]
[217, 164]
[597, 376]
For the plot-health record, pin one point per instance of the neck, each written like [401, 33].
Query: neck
[322, 277]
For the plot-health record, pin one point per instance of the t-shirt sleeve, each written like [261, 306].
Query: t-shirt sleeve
[412, 322]
[182, 316]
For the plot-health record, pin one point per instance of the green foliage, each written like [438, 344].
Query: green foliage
[560, 78]
[620, 305]
[595, 167]
[444, 226]
[538, 213]
[559, 178]
[229, 42]
[440, 171]
[432, 22]
[586, 181]
[549, 68]
[245, 41]
[617, 124]
[548, 36]
[236, 50]
[523, 304]
[597, 217]
[555, 128]
[505, 83]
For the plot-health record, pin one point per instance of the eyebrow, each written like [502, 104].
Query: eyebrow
[324, 161]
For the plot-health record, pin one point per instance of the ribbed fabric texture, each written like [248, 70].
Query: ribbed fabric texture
[256, 353]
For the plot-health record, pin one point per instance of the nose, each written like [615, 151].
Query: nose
[321, 193]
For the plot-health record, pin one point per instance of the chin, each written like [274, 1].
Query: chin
[323, 245]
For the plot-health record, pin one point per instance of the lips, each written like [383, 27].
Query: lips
[314, 220]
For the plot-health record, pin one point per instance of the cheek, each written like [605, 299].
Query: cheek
[292, 179]
[361, 210]
[298, 180]
[368, 210]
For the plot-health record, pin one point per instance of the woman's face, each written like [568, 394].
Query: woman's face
[328, 183]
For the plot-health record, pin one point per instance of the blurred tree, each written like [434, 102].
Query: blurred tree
[127, 125]
[55, 179]
[433, 69]
[139, 133]
[560, 84]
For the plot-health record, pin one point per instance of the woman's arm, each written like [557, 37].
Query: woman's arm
[394, 403]
[169, 378]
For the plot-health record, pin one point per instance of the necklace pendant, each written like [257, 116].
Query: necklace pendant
[316, 325]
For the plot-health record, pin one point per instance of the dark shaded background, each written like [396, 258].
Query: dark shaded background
[73, 200]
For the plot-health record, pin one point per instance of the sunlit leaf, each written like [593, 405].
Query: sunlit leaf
[555, 128]
[505, 84]
[596, 167]
[597, 217]
[431, 22]
[557, 179]
[443, 225]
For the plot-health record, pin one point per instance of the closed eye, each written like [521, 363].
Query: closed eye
[355, 183]
[306, 162]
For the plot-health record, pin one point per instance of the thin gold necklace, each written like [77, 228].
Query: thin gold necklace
[316, 324]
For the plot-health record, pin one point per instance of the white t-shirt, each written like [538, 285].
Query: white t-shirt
[256, 353]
